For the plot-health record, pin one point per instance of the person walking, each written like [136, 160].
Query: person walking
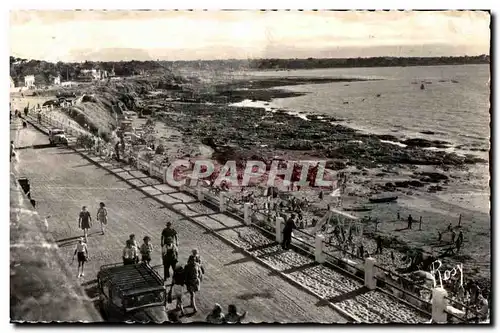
[82, 253]
[232, 316]
[287, 232]
[216, 316]
[379, 245]
[361, 251]
[85, 221]
[177, 287]
[146, 250]
[197, 258]
[410, 221]
[169, 232]
[102, 216]
[169, 256]
[130, 256]
[193, 275]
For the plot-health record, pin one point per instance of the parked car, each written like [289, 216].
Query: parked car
[57, 137]
[131, 293]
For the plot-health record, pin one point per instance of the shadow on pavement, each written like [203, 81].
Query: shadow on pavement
[343, 297]
[239, 261]
[248, 296]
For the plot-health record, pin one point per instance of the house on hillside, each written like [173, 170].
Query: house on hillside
[56, 80]
[29, 81]
[93, 74]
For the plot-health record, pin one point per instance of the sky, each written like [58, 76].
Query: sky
[183, 35]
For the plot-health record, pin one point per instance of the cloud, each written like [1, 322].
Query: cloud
[59, 35]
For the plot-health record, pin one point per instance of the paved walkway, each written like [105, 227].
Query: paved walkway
[346, 293]
[63, 181]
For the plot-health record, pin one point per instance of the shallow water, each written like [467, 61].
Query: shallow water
[456, 112]
[454, 105]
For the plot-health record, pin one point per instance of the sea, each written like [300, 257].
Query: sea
[454, 105]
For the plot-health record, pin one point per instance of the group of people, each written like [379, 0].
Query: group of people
[85, 219]
[85, 223]
[456, 241]
[187, 277]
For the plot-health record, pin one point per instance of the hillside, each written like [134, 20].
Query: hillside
[44, 70]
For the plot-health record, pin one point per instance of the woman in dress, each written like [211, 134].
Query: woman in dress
[82, 254]
[85, 221]
[102, 216]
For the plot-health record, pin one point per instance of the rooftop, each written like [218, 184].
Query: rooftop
[131, 278]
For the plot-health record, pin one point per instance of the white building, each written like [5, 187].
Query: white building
[94, 74]
[12, 84]
[57, 80]
[29, 81]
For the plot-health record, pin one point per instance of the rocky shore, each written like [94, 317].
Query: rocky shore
[374, 163]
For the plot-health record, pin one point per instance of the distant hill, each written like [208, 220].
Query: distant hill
[365, 62]
[44, 70]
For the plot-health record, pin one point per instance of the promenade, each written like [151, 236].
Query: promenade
[63, 181]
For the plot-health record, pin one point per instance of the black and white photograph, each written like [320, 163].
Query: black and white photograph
[250, 166]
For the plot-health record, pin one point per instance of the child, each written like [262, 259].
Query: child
[134, 242]
[130, 253]
[83, 255]
[146, 249]
[102, 216]
[177, 287]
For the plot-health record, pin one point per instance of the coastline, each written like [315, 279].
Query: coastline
[438, 203]
[380, 164]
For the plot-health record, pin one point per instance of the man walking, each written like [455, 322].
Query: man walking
[379, 245]
[410, 221]
[169, 256]
[287, 232]
[169, 232]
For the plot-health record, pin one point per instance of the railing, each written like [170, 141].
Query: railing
[259, 220]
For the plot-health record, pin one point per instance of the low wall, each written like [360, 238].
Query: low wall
[43, 288]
